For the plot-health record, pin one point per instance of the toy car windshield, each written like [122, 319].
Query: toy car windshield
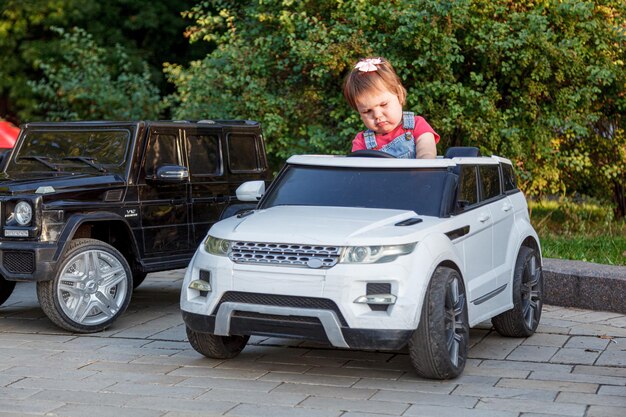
[422, 190]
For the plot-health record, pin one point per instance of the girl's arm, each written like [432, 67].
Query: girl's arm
[425, 146]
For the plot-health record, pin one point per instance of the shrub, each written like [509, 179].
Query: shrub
[540, 81]
[88, 82]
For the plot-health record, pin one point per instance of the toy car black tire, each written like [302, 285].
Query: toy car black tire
[139, 278]
[438, 348]
[6, 289]
[216, 347]
[523, 319]
[93, 283]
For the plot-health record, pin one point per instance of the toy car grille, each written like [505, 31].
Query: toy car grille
[296, 319]
[282, 301]
[285, 254]
[19, 262]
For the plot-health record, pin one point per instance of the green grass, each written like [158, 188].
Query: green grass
[579, 231]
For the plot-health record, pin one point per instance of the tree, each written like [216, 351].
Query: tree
[148, 31]
[535, 80]
[87, 83]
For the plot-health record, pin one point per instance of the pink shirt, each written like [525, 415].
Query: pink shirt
[421, 127]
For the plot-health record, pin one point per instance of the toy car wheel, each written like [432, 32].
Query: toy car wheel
[523, 319]
[138, 278]
[6, 289]
[91, 288]
[216, 347]
[438, 348]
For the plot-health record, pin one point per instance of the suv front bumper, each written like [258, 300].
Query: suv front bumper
[326, 330]
[304, 303]
[27, 260]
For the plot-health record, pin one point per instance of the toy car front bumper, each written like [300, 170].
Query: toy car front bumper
[326, 330]
[27, 261]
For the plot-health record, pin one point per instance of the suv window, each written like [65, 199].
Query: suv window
[468, 190]
[63, 148]
[242, 153]
[490, 181]
[508, 175]
[204, 154]
[161, 150]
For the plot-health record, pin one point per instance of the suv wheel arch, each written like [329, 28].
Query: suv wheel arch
[106, 227]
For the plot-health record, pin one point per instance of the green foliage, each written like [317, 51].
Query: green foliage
[87, 83]
[148, 31]
[539, 81]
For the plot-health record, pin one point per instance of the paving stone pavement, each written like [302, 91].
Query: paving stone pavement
[575, 365]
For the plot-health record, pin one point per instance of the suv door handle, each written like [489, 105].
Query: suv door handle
[507, 207]
[483, 217]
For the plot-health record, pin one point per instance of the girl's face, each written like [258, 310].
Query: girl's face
[380, 110]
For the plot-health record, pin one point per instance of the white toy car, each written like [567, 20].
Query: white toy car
[371, 253]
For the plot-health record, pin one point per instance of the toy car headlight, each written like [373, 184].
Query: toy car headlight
[374, 254]
[23, 213]
[217, 246]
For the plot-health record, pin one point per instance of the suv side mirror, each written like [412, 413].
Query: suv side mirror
[251, 191]
[171, 173]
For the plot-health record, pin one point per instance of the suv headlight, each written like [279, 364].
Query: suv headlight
[217, 246]
[23, 213]
[374, 254]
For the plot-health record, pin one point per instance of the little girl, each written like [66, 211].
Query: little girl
[374, 90]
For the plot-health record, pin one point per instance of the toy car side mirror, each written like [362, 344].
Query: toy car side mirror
[171, 173]
[251, 191]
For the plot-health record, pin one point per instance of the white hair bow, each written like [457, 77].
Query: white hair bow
[368, 65]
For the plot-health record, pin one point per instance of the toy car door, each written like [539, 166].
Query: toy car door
[164, 200]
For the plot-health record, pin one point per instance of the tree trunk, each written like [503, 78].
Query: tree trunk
[619, 199]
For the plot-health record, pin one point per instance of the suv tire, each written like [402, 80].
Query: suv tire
[438, 348]
[216, 347]
[92, 287]
[139, 278]
[523, 319]
[6, 289]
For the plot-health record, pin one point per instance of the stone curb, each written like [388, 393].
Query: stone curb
[584, 285]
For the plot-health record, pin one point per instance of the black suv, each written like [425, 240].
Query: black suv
[87, 209]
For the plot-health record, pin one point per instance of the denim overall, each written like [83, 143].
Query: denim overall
[401, 147]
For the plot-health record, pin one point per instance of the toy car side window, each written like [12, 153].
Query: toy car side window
[204, 155]
[489, 181]
[508, 176]
[162, 149]
[468, 188]
[243, 153]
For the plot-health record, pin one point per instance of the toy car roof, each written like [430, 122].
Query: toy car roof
[100, 123]
[364, 162]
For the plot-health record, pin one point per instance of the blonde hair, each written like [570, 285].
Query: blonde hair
[384, 77]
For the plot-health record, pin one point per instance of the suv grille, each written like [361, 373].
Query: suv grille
[282, 301]
[19, 262]
[285, 254]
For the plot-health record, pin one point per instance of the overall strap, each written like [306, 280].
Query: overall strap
[408, 120]
[370, 139]
[408, 124]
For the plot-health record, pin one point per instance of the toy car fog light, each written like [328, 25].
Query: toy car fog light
[23, 213]
[216, 246]
[374, 254]
[200, 285]
[377, 299]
